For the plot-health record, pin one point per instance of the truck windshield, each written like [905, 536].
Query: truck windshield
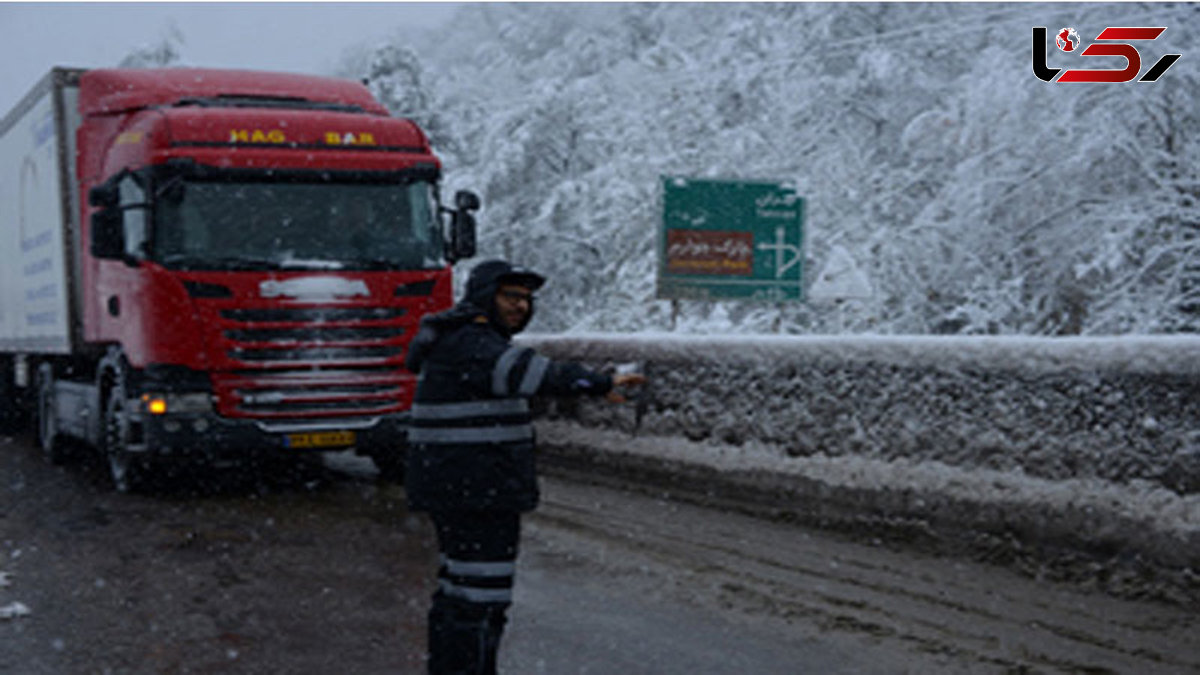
[257, 225]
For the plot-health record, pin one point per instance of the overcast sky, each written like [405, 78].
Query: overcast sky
[301, 37]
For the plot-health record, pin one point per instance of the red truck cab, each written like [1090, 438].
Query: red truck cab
[257, 250]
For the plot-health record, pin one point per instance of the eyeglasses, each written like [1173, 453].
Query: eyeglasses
[516, 295]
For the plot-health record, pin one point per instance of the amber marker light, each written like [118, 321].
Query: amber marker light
[155, 405]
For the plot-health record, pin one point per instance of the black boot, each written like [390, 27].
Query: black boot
[464, 637]
[493, 631]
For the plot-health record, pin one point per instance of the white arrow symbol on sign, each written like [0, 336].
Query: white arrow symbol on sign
[781, 248]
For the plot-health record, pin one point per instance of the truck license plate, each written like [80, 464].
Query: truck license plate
[321, 439]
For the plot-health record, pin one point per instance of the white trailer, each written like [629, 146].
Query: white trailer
[39, 232]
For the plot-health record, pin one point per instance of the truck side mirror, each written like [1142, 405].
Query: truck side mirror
[462, 235]
[462, 225]
[465, 200]
[108, 234]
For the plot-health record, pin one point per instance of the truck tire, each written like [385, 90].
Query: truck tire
[54, 445]
[128, 471]
[10, 403]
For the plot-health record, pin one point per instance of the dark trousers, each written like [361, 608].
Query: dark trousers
[475, 580]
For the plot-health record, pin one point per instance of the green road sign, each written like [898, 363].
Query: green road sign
[724, 239]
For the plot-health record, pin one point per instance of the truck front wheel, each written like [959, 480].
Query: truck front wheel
[53, 445]
[10, 397]
[128, 471]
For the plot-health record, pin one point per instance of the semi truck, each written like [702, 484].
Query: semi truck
[204, 266]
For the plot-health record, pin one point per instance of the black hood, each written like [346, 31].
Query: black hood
[433, 327]
[479, 300]
[486, 279]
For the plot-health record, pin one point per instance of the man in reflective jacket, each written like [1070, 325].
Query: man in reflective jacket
[470, 461]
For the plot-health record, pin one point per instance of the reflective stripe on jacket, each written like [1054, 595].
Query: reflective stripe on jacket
[471, 441]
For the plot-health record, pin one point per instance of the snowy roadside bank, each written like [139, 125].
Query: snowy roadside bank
[1066, 457]
[1132, 354]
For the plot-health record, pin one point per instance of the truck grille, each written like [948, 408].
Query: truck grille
[314, 314]
[311, 335]
[305, 363]
[314, 354]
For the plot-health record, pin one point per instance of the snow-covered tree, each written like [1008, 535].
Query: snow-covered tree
[396, 77]
[976, 198]
[165, 51]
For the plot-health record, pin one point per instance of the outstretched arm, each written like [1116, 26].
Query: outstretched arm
[520, 371]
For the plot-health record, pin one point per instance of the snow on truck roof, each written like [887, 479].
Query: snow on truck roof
[114, 90]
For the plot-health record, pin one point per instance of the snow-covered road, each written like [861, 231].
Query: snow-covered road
[322, 570]
[616, 583]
